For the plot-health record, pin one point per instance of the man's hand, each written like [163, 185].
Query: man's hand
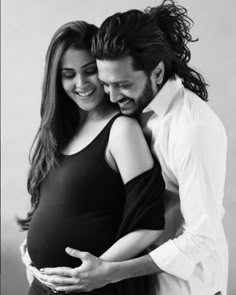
[92, 274]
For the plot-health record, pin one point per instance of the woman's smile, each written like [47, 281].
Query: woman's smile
[85, 94]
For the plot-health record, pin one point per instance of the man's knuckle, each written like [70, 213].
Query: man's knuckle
[76, 280]
[74, 273]
[85, 254]
[62, 273]
[72, 252]
[86, 275]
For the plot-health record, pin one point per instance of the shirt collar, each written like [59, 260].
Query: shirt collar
[164, 97]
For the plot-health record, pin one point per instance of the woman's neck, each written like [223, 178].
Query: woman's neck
[102, 112]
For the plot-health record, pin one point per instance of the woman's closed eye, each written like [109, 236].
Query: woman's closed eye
[91, 71]
[67, 74]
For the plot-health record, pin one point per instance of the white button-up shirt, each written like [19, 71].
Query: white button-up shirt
[190, 142]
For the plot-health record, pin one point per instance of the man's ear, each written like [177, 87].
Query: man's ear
[158, 73]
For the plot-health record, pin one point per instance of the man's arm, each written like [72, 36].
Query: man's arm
[200, 164]
[136, 267]
[131, 245]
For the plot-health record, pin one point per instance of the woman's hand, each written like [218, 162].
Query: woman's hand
[27, 261]
[31, 271]
[24, 254]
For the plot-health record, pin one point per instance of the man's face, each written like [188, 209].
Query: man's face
[131, 89]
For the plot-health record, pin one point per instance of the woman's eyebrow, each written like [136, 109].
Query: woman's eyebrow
[89, 63]
[84, 66]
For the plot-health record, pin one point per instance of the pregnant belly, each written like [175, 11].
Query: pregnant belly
[49, 236]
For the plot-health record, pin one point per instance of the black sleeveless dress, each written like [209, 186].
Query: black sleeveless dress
[82, 205]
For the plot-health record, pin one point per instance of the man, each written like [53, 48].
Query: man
[142, 60]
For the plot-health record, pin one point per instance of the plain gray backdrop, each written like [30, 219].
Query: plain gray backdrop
[27, 27]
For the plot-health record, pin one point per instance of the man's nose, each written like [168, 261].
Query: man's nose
[114, 94]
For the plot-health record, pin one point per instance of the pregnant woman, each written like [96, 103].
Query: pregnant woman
[93, 183]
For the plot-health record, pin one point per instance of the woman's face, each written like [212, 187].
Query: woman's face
[80, 80]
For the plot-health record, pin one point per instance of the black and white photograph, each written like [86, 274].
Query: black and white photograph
[118, 147]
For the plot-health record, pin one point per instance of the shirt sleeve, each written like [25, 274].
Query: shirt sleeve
[200, 170]
[144, 208]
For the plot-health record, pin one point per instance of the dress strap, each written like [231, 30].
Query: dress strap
[104, 136]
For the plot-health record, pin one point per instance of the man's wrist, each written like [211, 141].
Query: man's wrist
[113, 272]
[141, 266]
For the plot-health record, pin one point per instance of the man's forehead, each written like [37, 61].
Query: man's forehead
[120, 69]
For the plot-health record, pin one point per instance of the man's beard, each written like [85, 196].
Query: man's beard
[143, 100]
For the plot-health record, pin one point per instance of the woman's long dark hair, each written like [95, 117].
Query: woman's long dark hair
[158, 34]
[59, 114]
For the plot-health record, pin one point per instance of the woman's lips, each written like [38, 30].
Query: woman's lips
[85, 94]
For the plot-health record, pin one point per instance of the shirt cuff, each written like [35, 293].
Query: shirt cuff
[170, 259]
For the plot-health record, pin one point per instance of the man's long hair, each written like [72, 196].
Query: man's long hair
[59, 114]
[158, 34]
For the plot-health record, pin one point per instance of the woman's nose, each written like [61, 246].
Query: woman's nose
[80, 81]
